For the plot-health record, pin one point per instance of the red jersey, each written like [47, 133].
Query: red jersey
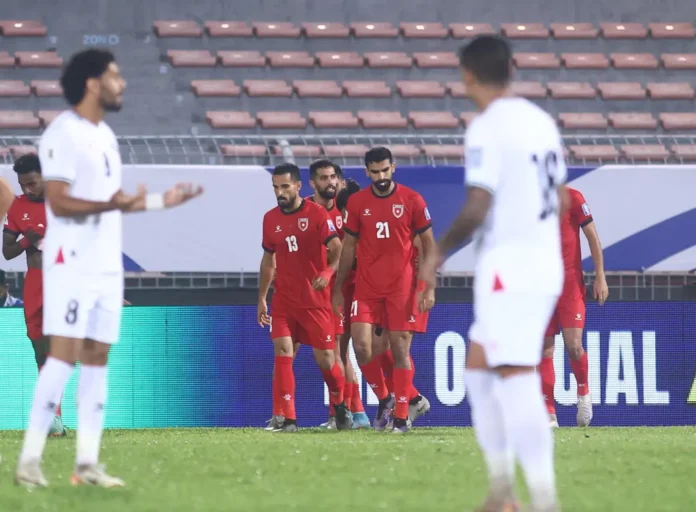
[337, 219]
[298, 239]
[577, 216]
[24, 215]
[385, 227]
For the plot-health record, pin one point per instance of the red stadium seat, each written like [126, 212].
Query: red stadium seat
[47, 116]
[267, 88]
[467, 30]
[245, 59]
[634, 60]
[684, 151]
[436, 60]
[345, 150]
[623, 30]
[299, 150]
[191, 58]
[571, 90]
[251, 150]
[671, 91]
[584, 120]
[46, 88]
[6, 60]
[226, 119]
[215, 88]
[281, 120]
[597, 152]
[444, 150]
[326, 30]
[388, 60]
[678, 121]
[375, 29]
[427, 120]
[456, 89]
[4, 152]
[18, 119]
[22, 28]
[38, 60]
[317, 89]
[467, 117]
[621, 91]
[290, 59]
[340, 60]
[528, 89]
[420, 89]
[536, 61]
[632, 121]
[177, 28]
[276, 29]
[17, 151]
[14, 89]
[368, 89]
[424, 30]
[585, 60]
[645, 152]
[671, 30]
[574, 31]
[679, 60]
[228, 29]
[333, 119]
[404, 150]
[372, 119]
[524, 30]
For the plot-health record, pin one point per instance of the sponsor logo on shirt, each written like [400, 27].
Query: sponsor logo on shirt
[586, 210]
[366, 213]
[330, 223]
[398, 210]
[303, 223]
[278, 230]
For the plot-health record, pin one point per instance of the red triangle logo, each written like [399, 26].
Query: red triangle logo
[497, 284]
[60, 259]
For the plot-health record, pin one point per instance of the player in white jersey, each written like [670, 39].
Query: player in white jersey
[514, 177]
[82, 260]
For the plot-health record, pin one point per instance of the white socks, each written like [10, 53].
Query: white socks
[91, 396]
[526, 425]
[49, 389]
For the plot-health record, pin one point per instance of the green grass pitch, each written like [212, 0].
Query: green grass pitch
[599, 469]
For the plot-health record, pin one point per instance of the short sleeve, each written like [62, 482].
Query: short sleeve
[351, 218]
[421, 216]
[266, 239]
[327, 230]
[482, 158]
[57, 158]
[10, 222]
[579, 210]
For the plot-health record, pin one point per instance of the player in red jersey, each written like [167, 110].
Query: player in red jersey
[27, 217]
[570, 310]
[380, 223]
[306, 246]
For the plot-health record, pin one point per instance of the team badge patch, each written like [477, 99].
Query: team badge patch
[339, 221]
[332, 228]
[303, 223]
[427, 214]
[586, 210]
[473, 157]
[398, 210]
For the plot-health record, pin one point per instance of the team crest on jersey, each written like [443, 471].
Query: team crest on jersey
[339, 221]
[303, 223]
[398, 210]
[586, 210]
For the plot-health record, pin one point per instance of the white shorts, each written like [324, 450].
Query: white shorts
[82, 306]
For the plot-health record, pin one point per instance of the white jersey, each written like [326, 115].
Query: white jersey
[86, 156]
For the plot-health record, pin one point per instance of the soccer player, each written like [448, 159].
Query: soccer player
[380, 223]
[570, 310]
[514, 176]
[82, 260]
[27, 217]
[7, 300]
[303, 239]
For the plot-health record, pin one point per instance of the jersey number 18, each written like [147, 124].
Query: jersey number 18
[547, 172]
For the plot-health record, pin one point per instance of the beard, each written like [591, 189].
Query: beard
[327, 193]
[112, 105]
[286, 202]
[383, 185]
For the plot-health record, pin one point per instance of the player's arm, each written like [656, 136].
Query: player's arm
[351, 230]
[11, 248]
[175, 196]
[329, 237]
[266, 273]
[601, 290]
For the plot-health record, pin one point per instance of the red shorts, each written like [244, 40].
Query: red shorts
[569, 312]
[33, 303]
[394, 313]
[348, 290]
[314, 327]
[421, 322]
[338, 324]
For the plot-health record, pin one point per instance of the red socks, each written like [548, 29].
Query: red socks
[386, 361]
[581, 370]
[548, 380]
[285, 385]
[402, 388]
[372, 372]
[356, 404]
[335, 381]
[58, 411]
[414, 391]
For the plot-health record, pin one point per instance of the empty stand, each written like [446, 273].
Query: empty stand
[290, 59]
[346, 151]
[528, 90]
[340, 60]
[621, 91]
[466, 30]
[424, 30]
[623, 30]
[670, 91]
[583, 120]
[179, 28]
[218, 119]
[46, 88]
[17, 151]
[684, 151]
[333, 119]
[420, 89]
[243, 150]
[374, 120]
[191, 58]
[388, 60]
[524, 30]
[317, 89]
[267, 88]
[679, 60]
[215, 88]
[404, 150]
[281, 120]
[671, 30]
[456, 89]
[22, 28]
[243, 59]
[367, 89]
[302, 151]
[645, 152]
[634, 61]
[228, 29]
[14, 89]
[325, 30]
[6, 60]
[374, 29]
[276, 29]
[436, 60]
[678, 121]
[574, 31]
[443, 150]
[38, 60]
[594, 152]
[47, 116]
[428, 120]
[632, 121]
[571, 90]
[536, 61]
[585, 60]
[18, 119]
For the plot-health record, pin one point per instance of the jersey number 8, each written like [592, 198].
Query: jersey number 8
[547, 179]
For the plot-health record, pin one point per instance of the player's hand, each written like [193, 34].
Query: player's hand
[428, 268]
[124, 202]
[600, 290]
[181, 193]
[262, 314]
[320, 282]
[426, 299]
[35, 234]
[337, 302]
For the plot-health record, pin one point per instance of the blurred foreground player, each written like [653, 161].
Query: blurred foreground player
[27, 218]
[380, 223]
[303, 239]
[82, 260]
[570, 310]
[514, 176]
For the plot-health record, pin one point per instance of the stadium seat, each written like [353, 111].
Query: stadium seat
[456, 89]
[684, 151]
[38, 60]
[679, 60]
[632, 121]
[536, 61]
[215, 88]
[678, 121]
[374, 120]
[443, 150]
[634, 61]
[671, 91]
[467, 30]
[368, 89]
[267, 88]
[584, 120]
[4, 152]
[177, 28]
[524, 30]
[317, 89]
[420, 89]
[671, 30]
[436, 60]
[621, 90]
[404, 150]
[14, 89]
[623, 30]
[333, 119]
[574, 31]
[245, 59]
[227, 119]
[47, 116]
[44, 88]
[388, 60]
[228, 29]
[346, 150]
[191, 58]
[594, 152]
[22, 28]
[340, 60]
[302, 151]
[290, 59]
[528, 89]
[239, 150]
[645, 152]
[6, 60]
[428, 120]
[585, 60]
[423, 30]
[17, 151]
[18, 119]
[276, 29]
[281, 120]
[571, 90]
[467, 117]
[326, 30]
[375, 29]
